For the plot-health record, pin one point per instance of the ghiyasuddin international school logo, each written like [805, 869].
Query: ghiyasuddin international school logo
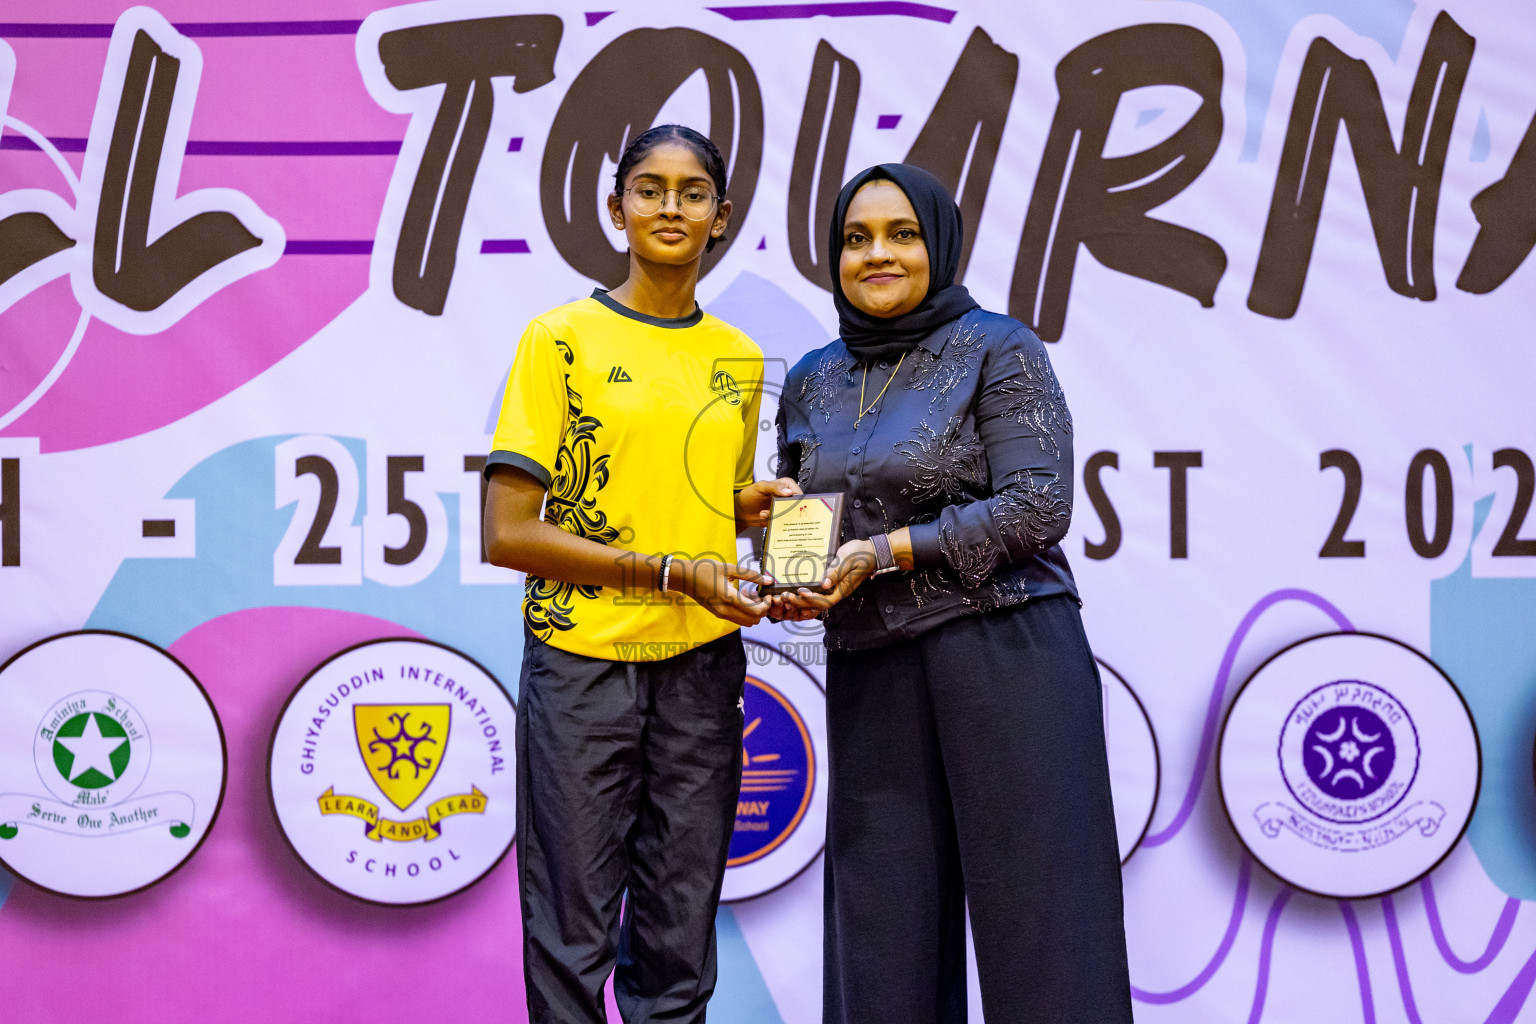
[781, 814]
[128, 758]
[392, 771]
[402, 745]
[1349, 764]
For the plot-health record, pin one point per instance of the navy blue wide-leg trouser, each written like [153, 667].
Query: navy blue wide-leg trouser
[968, 766]
[627, 779]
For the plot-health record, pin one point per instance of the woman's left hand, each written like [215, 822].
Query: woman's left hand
[852, 565]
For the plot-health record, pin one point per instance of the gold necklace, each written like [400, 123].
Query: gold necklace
[866, 410]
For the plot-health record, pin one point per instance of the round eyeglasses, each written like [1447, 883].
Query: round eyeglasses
[694, 201]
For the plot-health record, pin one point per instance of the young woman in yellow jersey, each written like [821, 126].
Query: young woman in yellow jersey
[630, 418]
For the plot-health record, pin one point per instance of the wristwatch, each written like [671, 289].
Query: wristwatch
[885, 561]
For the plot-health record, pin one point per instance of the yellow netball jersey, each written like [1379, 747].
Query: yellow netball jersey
[641, 428]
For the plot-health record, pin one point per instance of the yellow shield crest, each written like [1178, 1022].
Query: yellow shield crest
[402, 745]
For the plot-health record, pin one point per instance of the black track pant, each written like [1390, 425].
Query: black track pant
[969, 765]
[627, 778]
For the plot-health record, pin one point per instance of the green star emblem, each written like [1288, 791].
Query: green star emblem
[91, 750]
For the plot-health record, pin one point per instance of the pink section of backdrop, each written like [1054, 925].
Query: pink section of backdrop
[244, 931]
[245, 328]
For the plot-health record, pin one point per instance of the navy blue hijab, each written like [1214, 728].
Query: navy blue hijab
[872, 337]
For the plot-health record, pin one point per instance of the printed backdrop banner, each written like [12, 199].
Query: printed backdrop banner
[263, 265]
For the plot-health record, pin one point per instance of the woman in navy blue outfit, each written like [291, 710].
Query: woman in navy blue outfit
[965, 718]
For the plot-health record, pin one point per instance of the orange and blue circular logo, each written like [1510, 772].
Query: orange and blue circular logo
[778, 773]
[781, 814]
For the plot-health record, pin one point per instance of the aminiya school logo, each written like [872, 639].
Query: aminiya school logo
[116, 810]
[85, 753]
[1349, 764]
[392, 771]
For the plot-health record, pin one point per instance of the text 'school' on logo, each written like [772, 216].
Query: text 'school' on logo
[1349, 764]
[391, 771]
[129, 754]
[781, 815]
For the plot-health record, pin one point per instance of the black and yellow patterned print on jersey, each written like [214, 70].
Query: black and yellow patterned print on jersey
[572, 506]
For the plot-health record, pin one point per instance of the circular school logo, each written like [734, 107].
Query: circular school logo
[1349, 764]
[125, 758]
[1355, 760]
[392, 771]
[90, 738]
[1134, 768]
[781, 814]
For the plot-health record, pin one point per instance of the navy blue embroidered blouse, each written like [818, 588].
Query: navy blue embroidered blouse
[970, 447]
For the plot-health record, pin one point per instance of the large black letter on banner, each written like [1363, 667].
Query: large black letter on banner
[10, 512]
[613, 100]
[958, 143]
[1402, 186]
[462, 56]
[28, 238]
[821, 154]
[1083, 197]
[126, 266]
[1506, 210]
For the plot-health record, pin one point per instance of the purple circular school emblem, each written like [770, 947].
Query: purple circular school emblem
[1349, 752]
[1349, 765]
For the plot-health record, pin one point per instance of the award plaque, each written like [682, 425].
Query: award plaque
[802, 537]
